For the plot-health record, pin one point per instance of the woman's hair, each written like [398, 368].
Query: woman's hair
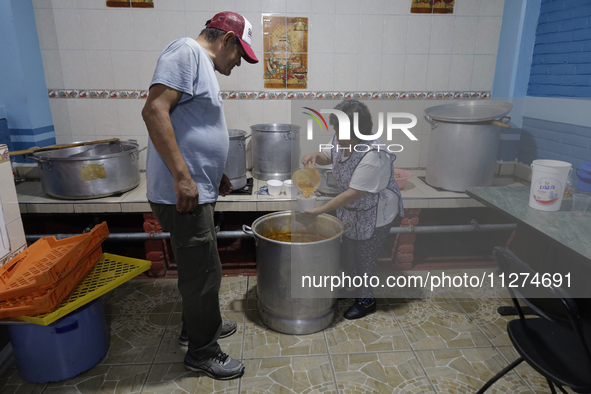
[349, 107]
[211, 34]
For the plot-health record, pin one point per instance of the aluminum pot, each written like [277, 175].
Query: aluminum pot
[89, 171]
[464, 142]
[281, 265]
[275, 151]
[236, 161]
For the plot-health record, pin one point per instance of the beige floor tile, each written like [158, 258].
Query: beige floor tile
[376, 332]
[233, 293]
[118, 379]
[384, 373]
[288, 375]
[142, 296]
[176, 379]
[531, 377]
[12, 383]
[437, 325]
[260, 341]
[483, 312]
[134, 339]
[171, 351]
[465, 371]
[251, 297]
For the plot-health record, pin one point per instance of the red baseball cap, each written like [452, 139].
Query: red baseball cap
[231, 21]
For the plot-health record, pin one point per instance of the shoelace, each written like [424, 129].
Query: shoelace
[221, 357]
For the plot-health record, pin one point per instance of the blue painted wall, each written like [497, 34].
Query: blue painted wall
[23, 90]
[561, 65]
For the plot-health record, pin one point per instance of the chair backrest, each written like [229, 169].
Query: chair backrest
[550, 302]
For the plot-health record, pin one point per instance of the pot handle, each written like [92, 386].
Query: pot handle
[248, 230]
[503, 122]
[430, 120]
[31, 157]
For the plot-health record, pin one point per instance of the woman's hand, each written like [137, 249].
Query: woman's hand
[309, 158]
[313, 212]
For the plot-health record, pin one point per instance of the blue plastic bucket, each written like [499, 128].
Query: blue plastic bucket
[584, 174]
[63, 349]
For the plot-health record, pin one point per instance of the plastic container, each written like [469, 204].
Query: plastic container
[47, 261]
[404, 176]
[62, 350]
[47, 299]
[584, 175]
[110, 271]
[548, 183]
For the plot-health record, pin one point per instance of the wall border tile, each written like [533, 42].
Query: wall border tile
[282, 95]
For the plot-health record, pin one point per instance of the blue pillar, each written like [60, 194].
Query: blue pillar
[23, 91]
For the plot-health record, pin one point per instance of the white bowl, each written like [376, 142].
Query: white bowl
[290, 188]
[306, 203]
[274, 187]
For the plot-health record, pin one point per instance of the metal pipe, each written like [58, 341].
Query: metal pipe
[474, 227]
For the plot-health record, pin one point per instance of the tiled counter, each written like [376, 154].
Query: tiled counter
[416, 194]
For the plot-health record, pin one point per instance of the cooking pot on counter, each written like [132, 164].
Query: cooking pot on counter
[89, 171]
[275, 151]
[236, 162]
[464, 142]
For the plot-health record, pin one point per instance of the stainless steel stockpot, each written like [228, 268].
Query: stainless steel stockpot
[463, 143]
[275, 151]
[283, 304]
[236, 162]
[89, 171]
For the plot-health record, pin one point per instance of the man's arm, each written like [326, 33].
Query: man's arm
[156, 114]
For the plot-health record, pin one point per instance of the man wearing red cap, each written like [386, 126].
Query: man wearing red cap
[187, 152]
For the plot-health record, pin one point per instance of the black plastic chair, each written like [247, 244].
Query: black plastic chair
[554, 344]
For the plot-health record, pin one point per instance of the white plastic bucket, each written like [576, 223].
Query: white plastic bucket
[548, 180]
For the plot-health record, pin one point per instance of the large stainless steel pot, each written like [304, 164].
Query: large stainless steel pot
[275, 151]
[89, 171]
[236, 162]
[283, 304]
[463, 143]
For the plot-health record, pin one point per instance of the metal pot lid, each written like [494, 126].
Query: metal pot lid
[275, 127]
[236, 134]
[469, 111]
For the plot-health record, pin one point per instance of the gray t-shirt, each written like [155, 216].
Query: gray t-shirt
[198, 121]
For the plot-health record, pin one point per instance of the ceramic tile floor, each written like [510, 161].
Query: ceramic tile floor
[449, 343]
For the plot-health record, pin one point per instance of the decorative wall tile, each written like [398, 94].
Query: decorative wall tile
[285, 46]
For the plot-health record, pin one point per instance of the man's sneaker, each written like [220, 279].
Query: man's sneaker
[228, 328]
[220, 367]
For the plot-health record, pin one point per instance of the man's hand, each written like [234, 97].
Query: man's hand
[225, 186]
[187, 195]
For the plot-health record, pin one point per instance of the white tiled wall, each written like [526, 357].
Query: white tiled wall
[354, 45]
[11, 225]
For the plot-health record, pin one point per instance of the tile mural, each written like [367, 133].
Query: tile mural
[432, 6]
[285, 48]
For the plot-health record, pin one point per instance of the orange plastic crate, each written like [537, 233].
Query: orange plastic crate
[46, 300]
[48, 260]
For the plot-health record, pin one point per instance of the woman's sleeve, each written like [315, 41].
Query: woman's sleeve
[367, 175]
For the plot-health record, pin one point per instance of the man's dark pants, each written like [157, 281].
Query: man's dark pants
[194, 245]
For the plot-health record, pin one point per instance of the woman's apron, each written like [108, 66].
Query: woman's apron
[361, 213]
